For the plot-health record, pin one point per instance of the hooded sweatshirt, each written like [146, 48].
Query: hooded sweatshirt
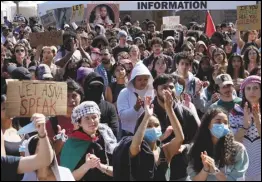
[198, 45]
[94, 93]
[102, 29]
[127, 98]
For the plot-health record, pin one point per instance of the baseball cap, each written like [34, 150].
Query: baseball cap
[21, 73]
[32, 68]
[66, 26]
[122, 33]
[224, 79]
[170, 38]
[44, 72]
[82, 72]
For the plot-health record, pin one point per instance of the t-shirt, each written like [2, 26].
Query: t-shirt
[9, 166]
[228, 106]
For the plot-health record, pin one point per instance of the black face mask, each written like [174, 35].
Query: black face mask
[94, 93]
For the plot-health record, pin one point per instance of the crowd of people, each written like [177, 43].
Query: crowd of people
[139, 107]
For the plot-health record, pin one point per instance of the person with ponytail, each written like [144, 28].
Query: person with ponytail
[215, 155]
[245, 122]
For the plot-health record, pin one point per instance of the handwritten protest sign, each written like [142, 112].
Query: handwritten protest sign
[249, 17]
[77, 13]
[25, 98]
[48, 19]
[171, 20]
[46, 38]
[171, 27]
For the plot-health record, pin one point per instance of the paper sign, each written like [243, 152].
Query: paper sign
[171, 27]
[24, 98]
[249, 17]
[171, 20]
[48, 19]
[78, 13]
[46, 38]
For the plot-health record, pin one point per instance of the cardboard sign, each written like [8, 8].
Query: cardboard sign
[171, 20]
[105, 14]
[48, 19]
[46, 38]
[249, 17]
[24, 98]
[77, 13]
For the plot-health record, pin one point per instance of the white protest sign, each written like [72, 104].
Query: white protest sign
[171, 20]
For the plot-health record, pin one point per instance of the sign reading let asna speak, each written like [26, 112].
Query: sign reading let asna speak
[249, 17]
[24, 98]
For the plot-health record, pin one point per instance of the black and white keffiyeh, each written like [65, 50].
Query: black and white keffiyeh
[85, 108]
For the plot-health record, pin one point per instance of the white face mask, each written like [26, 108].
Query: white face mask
[93, 56]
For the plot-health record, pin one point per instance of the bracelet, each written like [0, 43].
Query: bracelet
[205, 170]
[39, 136]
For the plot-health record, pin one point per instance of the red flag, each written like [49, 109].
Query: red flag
[210, 26]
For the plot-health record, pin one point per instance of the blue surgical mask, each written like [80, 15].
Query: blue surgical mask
[29, 128]
[219, 130]
[179, 89]
[152, 134]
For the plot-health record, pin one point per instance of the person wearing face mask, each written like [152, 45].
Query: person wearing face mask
[245, 122]
[147, 133]
[188, 121]
[130, 100]
[105, 68]
[122, 46]
[93, 90]
[215, 155]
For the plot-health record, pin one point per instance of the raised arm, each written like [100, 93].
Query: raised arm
[172, 147]
[240, 42]
[45, 154]
[135, 147]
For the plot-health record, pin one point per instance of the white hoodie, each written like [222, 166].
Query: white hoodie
[127, 99]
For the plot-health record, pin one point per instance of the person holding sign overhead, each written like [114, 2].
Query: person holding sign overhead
[102, 16]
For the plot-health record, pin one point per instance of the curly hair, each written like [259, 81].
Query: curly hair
[225, 149]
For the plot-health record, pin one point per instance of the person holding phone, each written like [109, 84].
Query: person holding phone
[12, 167]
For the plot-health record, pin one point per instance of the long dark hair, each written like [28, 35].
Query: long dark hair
[244, 100]
[200, 73]
[230, 69]
[246, 59]
[225, 150]
[153, 72]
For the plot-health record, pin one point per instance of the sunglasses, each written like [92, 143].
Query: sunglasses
[19, 50]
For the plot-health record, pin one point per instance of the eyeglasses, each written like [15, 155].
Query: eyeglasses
[105, 54]
[19, 50]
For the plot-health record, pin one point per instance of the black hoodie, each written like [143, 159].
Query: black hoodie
[94, 93]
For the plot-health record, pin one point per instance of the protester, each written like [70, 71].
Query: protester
[13, 167]
[122, 46]
[215, 155]
[245, 122]
[130, 99]
[88, 151]
[93, 90]
[187, 120]
[225, 89]
[114, 89]
[251, 58]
